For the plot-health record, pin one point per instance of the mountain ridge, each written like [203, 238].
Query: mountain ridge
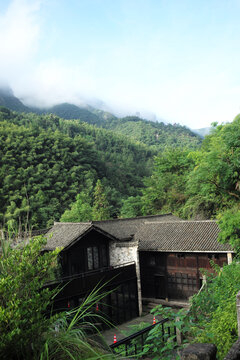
[156, 134]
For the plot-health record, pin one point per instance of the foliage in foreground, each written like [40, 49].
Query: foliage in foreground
[72, 336]
[162, 345]
[214, 309]
[27, 329]
[23, 302]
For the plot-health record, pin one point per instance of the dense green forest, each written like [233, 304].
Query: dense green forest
[53, 168]
[52, 159]
[46, 161]
[157, 135]
[199, 184]
[154, 134]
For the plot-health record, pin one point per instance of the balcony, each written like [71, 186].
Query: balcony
[118, 306]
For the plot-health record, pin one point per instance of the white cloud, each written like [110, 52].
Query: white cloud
[19, 31]
[148, 74]
[53, 82]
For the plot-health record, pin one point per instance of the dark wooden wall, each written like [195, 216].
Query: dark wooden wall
[174, 275]
[88, 253]
[121, 303]
[86, 265]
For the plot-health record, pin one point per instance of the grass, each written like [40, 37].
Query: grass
[70, 336]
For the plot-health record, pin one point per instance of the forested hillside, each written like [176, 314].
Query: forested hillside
[54, 169]
[70, 111]
[46, 161]
[200, 184]
[158, 135]
[8, 100]
[150, 133]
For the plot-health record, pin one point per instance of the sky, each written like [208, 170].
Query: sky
[176, 60]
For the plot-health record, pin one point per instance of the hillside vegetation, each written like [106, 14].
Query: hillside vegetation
[200, 184]
[150, 133]
[46, 161]
[51, 156]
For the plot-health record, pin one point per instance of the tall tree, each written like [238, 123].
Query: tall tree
[229, 224]
[165, 190]
[131, 207]
[101, 210]
[214, 184]
[81, 209]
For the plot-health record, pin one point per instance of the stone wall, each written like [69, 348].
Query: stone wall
[124, 252]
[199, 352]
[234, 352]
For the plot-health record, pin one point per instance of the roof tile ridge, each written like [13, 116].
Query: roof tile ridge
[180, 221]
[69, 223]
[132, 218]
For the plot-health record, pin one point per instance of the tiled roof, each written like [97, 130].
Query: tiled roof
[63, 234]
[158, 232]
[124, 229]
[180, 236]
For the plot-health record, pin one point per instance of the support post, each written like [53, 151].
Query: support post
[229, 258]
[179, 334]
[238, 312]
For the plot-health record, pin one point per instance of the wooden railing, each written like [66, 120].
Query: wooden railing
[134, 344]
[119, 283]
[90, 273]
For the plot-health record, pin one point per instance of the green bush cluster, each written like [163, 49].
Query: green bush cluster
[214, 309]
[23, 300]
[212, 317]
[28, 329]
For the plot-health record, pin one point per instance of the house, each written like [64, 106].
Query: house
[157, 256]
[172, 254]
[86, 262]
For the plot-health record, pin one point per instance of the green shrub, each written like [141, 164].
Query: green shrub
[23, 302]
[214, 309]
[161, 344]
[27, 332]
[73, 335]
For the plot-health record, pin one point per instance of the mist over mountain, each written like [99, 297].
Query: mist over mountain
[151, 133]
[57, 152]
[8, 100]
[202, 132]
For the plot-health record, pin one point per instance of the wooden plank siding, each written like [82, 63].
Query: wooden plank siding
[174, 275]
[119, 306]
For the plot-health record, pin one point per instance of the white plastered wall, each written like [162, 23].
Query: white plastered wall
[123, 252]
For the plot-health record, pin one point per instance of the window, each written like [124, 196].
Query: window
[97, 257]
[180, 256]
[104, 255]
[213, 256]
[89, 258]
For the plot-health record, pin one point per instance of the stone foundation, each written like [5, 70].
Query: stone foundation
[199, 352]
[234, 352]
